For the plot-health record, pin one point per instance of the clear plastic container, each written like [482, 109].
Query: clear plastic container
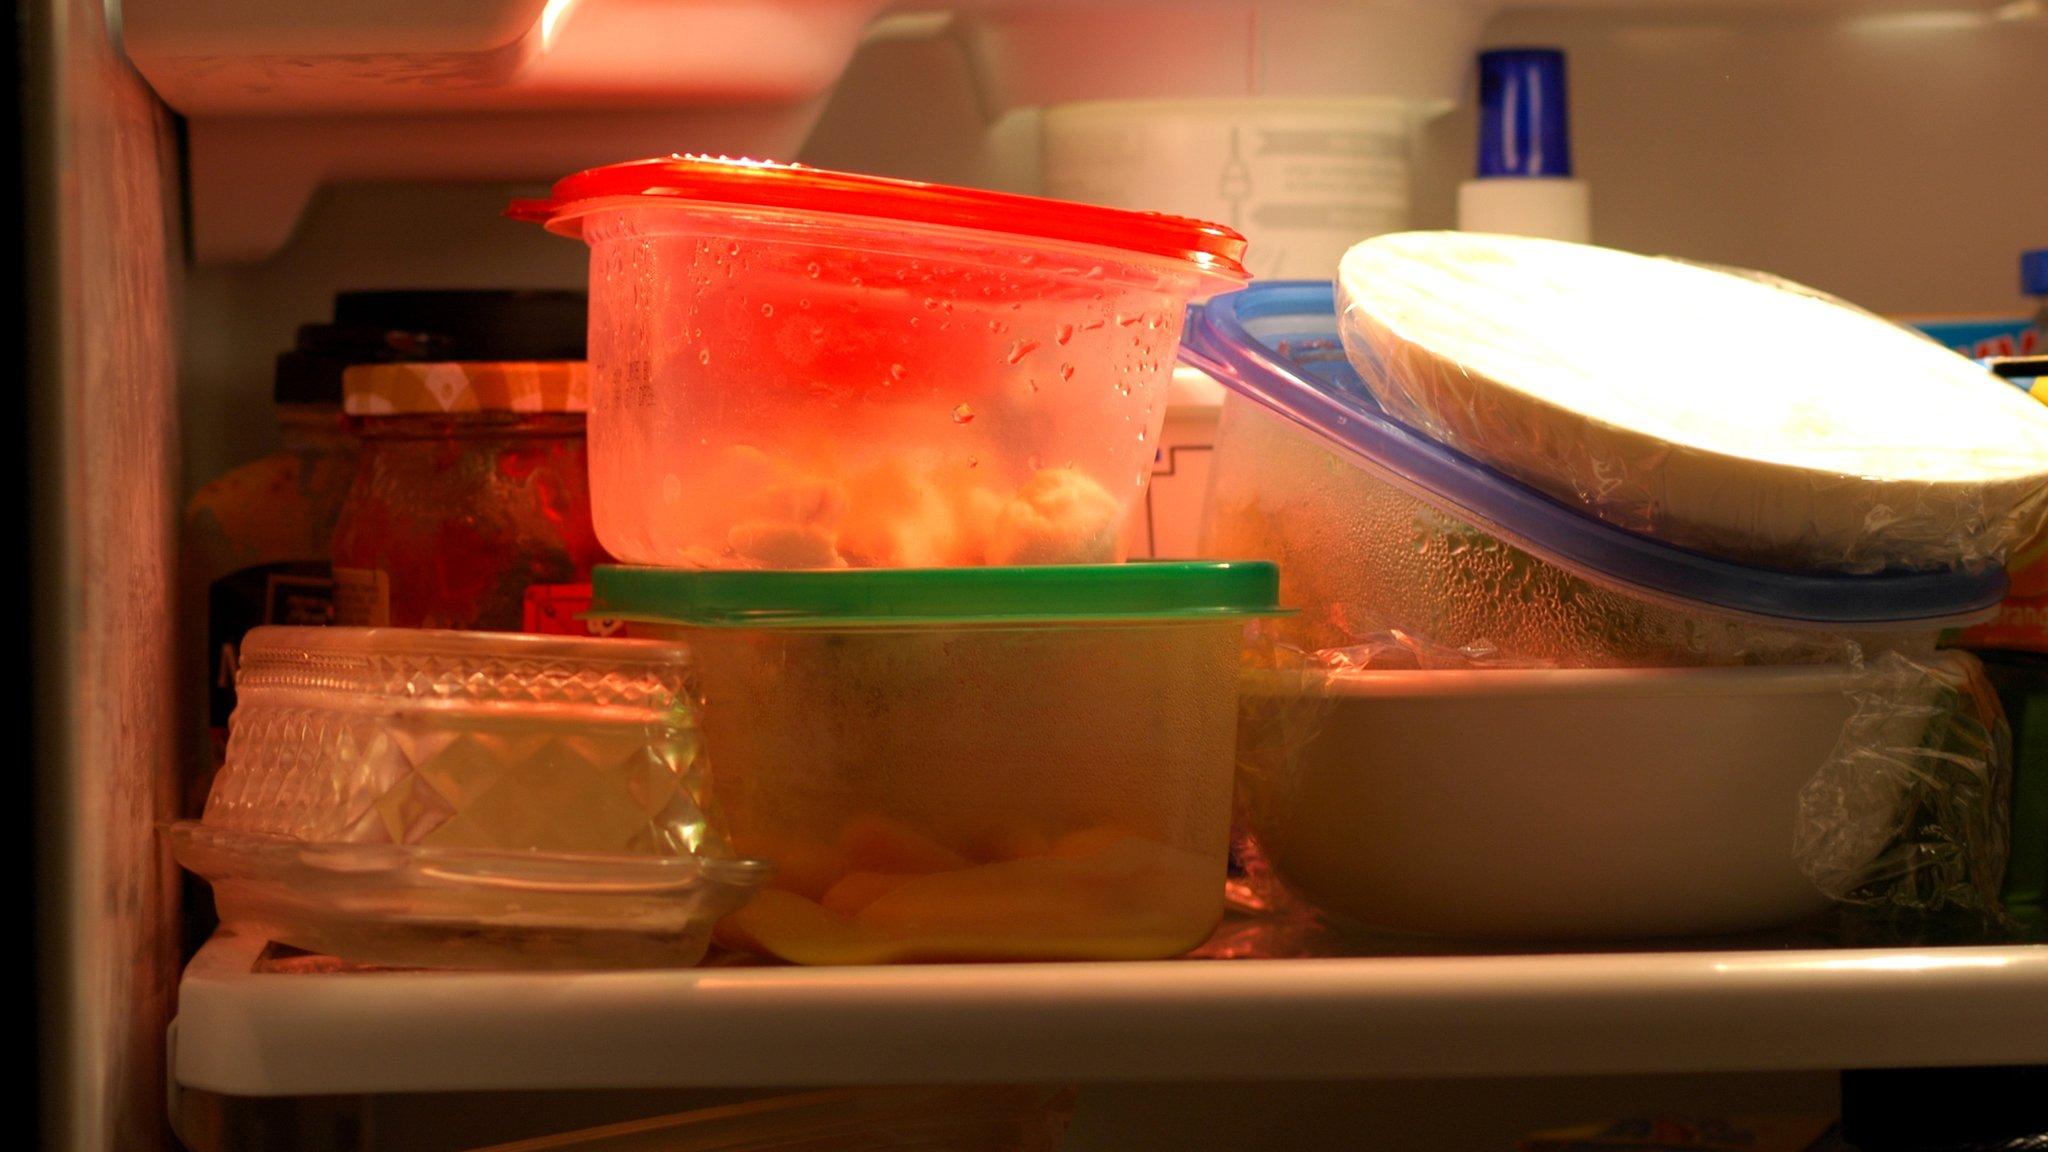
[986, 764]
[795, 368]
[464, 799]
[1381, 531]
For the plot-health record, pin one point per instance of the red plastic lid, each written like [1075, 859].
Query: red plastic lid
[1212, 248]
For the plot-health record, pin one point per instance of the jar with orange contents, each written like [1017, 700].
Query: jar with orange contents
[471, 503]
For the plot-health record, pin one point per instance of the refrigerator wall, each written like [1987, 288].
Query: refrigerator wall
[103, 263]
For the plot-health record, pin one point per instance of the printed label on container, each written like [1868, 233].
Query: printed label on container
[2021, 625]
[558, 610]
[362, 597]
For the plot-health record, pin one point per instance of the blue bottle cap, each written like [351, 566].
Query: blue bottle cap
[2034, 272]
[1523, 126]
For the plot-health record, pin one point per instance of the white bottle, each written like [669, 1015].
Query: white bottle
[1524, 185]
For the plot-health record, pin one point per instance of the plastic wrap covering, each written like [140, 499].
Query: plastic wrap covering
[1911, 810]
[1733, 414]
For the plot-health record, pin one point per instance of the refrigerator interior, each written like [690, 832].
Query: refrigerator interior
[1888, 153]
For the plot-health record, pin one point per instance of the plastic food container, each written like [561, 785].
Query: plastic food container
[1507, 729]
[1382, 531]
[1736, 414]
[465, 800]
[967, 764]
[795, 368]
[1551, 803]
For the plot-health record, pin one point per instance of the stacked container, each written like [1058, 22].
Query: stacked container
[873, 445]
[1522, 720]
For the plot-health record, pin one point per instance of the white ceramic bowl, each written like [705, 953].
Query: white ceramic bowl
[1547, 804]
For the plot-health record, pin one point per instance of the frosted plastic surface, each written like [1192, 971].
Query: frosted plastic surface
[1376, 569]
[817, 393]
[975, 793]
[1906, 809]
[1734, 414]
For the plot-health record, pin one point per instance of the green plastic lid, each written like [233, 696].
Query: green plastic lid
[885, 597]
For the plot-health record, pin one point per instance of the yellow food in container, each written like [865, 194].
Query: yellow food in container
[967, 764]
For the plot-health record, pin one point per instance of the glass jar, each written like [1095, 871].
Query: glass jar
[471, 502]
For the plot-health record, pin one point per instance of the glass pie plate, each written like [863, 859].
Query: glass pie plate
[452, 799]
[414, 906]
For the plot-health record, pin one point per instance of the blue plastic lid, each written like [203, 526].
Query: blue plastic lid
[2034, 272]
[1277, 343]
[1523, 126]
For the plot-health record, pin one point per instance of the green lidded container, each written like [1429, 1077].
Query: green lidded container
[967, 763]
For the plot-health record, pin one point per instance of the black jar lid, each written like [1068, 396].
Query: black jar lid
[397, 326]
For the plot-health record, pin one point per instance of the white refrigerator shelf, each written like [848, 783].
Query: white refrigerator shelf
[247, 1032]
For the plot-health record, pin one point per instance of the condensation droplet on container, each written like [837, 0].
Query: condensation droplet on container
[1019, 350]
[1066, 371]
[930, 304]
[998, 327]
[767, 309]
[1126, 321]
[895, 371]
[1094, 273]
[963, 414]
[804, 303]
[813, 269]
[704, 356]
[1063, 333]
[974, 461]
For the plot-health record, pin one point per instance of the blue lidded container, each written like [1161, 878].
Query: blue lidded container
[1472, 557]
